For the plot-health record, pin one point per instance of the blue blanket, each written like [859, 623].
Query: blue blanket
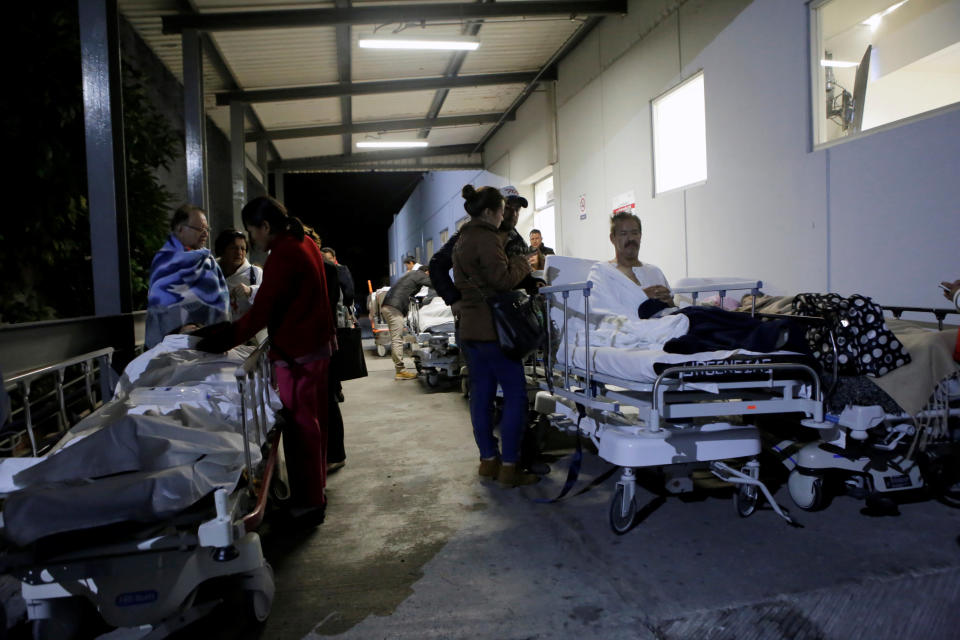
[185, 287]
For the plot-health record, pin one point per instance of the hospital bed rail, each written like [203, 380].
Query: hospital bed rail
[94, 365]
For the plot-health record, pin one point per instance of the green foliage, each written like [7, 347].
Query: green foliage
[45, 235]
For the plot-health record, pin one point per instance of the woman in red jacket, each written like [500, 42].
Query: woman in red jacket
[293, 305]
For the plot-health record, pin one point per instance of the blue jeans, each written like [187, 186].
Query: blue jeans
[488, 366]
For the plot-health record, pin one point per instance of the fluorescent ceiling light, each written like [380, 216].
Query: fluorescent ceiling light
[448, 43]
[874, 21]
[843, 64]
[394, 144]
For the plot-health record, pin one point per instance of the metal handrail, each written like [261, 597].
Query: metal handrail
[252, 370]
[24, 379]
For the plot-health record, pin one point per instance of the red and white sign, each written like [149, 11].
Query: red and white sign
[582, 205]
[624, 202]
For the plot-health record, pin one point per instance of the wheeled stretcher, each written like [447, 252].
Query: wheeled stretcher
[436, 353]
[146, 499]
[673, 412]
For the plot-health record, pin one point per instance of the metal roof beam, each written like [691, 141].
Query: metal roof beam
[326, 162]
[378, 126]
[388, 14]
[381, 86]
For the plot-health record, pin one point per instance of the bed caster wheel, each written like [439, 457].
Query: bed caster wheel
[621, 516]
[465, 385]
[805, 490]
[381, 350]
[258, 594]
[746, 499]
[433, 379]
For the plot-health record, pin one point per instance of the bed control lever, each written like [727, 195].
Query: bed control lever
[218, 532]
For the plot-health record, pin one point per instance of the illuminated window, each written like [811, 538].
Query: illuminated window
[543, 211]
[876, 62]
[680, 137]
[443, 237]
[429, 248]
[462, 221]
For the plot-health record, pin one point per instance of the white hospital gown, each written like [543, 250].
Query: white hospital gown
[614, 299]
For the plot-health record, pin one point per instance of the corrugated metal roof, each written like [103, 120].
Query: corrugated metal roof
[307, 56]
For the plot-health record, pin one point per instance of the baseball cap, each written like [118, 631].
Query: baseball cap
[510, 192]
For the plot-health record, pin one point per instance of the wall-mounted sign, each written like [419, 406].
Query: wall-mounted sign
[582, 205]
[624, 202]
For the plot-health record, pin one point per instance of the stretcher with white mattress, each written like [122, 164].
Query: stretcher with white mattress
[650, 409]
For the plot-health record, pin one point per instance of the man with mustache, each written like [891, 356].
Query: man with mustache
[625, 283]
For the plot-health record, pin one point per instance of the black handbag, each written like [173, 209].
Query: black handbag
[348, 362]
[520, 321]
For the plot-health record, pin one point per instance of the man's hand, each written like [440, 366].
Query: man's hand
[242, 290]
[950, 289]
[661, 293]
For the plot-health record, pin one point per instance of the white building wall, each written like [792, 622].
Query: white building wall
[877, 215]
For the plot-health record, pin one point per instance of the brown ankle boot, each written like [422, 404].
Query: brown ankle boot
[510, 476]
[489, 467]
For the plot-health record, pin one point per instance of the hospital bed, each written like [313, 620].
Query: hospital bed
[150, 497]
[436, 353]
[679, 414]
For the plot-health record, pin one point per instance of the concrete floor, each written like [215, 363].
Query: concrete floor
[414, 546]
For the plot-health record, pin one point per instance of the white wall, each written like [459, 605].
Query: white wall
[877, 215]
[435, 205]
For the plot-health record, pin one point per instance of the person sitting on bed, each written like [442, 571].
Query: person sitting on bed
[640, 312]
[625, 283]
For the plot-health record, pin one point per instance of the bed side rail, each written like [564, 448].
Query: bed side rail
[253, 378]
[721, 288]
[940, 314]
[93, 365]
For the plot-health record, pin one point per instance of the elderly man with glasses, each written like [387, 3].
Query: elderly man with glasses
[187, 287]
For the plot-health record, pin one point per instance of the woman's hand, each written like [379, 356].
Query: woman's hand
[242, 291]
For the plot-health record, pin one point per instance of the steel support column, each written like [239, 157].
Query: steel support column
[238, 161]
[278, 185]
[194, 119]
[106, 173]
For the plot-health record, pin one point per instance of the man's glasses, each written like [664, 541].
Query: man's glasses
[198, 229]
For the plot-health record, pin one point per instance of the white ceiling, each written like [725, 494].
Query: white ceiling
[299, 57]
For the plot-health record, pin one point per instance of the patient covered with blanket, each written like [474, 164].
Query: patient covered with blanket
[170, 436]
[187, 287]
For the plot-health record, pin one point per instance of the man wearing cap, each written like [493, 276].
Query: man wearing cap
[513, 244]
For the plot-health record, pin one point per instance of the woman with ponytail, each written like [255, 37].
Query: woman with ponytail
[481, 268]
[293, 305]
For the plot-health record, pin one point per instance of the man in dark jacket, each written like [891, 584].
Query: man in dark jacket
[440, 265]
[344, 277]
[513, 243]
[394, 309]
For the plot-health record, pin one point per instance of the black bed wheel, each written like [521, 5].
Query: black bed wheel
[746, 499]
[65, 624]
[433, 379]
[621, 522]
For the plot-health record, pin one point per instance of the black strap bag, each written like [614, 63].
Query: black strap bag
[520, 321]
[348, 362]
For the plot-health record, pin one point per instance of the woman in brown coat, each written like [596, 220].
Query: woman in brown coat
[480, 268]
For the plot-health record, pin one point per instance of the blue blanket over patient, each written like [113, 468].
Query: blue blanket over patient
[185, 287]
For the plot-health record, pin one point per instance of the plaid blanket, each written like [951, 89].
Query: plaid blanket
[185, 287]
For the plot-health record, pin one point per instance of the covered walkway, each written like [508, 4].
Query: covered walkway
[414, 546]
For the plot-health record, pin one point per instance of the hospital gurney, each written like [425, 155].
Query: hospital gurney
[650, 409]
[156, 493]
[436, 353]
[381, 331]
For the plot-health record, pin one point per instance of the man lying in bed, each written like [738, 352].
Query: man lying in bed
[638, 310]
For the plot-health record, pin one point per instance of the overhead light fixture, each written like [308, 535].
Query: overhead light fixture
[874, 21]
[431, 43]
[392, 144]
[843, 64]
